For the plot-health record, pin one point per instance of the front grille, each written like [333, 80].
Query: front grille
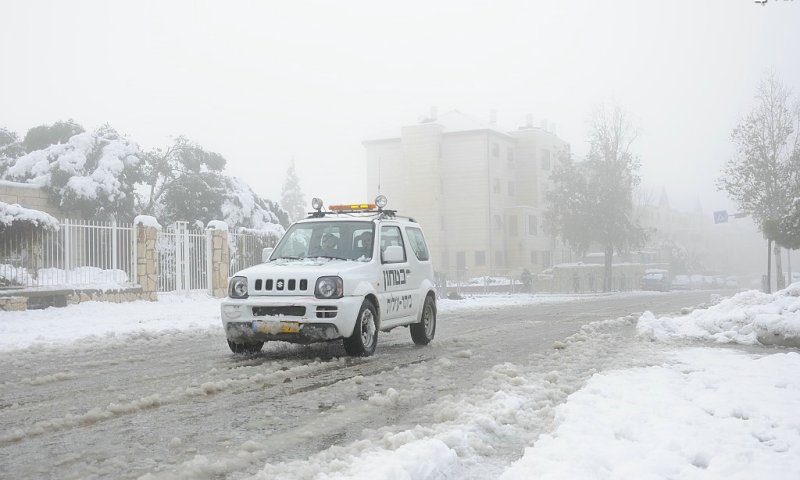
[281, 285]
[290, 311]
[326, 311]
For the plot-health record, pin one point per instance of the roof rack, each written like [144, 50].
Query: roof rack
[350, 208]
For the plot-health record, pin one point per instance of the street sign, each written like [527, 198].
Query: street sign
[721, 216]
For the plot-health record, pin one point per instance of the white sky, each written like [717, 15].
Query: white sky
[264, 82]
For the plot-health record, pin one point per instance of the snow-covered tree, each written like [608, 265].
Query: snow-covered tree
[92, 173]
[165, 168]
[292, 198]
[206, 196]
[592, 202]
[43, 136]
[10, 149]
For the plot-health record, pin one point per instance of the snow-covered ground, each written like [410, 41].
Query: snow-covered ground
[93, 321]
[692, 410]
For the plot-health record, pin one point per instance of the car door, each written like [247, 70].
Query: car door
[420, 265]
[396, 300]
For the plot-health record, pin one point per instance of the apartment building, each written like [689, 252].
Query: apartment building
[477, 190]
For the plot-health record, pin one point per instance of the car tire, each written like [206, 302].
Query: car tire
[364, 339]
[422, 333]
[245, 347]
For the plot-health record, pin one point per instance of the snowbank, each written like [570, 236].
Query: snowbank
[687, 419]
[747, 318]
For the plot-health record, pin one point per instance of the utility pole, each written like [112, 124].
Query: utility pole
[768, 288]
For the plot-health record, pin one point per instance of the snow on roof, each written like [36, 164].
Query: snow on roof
[6, 183]
[453, 121]
[11, 213]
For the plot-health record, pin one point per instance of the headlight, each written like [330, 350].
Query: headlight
[238, 287]
[329, 287]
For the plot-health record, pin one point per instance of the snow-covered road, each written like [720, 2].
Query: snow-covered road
[168, 400]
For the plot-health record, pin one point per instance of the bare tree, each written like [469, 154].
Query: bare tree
[592, 201]
[764, 171]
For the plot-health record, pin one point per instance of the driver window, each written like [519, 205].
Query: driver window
[390, 236]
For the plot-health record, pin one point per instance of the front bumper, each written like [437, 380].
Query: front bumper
[288, 318]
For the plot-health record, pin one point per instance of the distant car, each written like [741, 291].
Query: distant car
[656, 279]
[681, 282]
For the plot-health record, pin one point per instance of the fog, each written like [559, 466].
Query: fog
[266, 82]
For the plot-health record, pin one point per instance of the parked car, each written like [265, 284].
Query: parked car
[656, 279]
[327, 280]
[681, 282]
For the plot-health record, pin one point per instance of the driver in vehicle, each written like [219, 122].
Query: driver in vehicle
[329, 245]
[364, 244]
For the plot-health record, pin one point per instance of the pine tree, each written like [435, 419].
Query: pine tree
[292, 198]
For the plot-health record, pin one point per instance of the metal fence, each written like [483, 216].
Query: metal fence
[90, 254]
[246, 250]
[80, 253]
[184, 260]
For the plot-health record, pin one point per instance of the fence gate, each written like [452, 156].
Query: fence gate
[183, 258]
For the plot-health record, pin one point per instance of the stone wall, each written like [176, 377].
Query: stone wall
[220, 259]
[28, 196]
[8, 304]
[147, 261]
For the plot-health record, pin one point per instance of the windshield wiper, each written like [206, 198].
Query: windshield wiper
[331, 257]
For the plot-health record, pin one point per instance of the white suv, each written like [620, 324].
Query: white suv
[327, 280]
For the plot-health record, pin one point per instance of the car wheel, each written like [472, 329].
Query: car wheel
[364, 339]
[422, 333]
[245, 347]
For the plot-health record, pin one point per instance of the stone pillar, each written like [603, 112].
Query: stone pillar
[220, 258]
[147, 257]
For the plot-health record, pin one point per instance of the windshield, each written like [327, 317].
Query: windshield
[343, 240]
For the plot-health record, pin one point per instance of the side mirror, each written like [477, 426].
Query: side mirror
[265, 253]
[393, 254]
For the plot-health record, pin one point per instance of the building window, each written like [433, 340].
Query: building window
[545, 259]
[510, 189]
[496, 185]
[512, 226]
[533, 225]
[480, 258]
[545, 159]
[534, 257]
[510, 155]
[498, 222]
[461, 261]
[499, 258]
[495, 149]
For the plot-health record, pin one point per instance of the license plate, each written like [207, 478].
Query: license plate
[276, 327]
